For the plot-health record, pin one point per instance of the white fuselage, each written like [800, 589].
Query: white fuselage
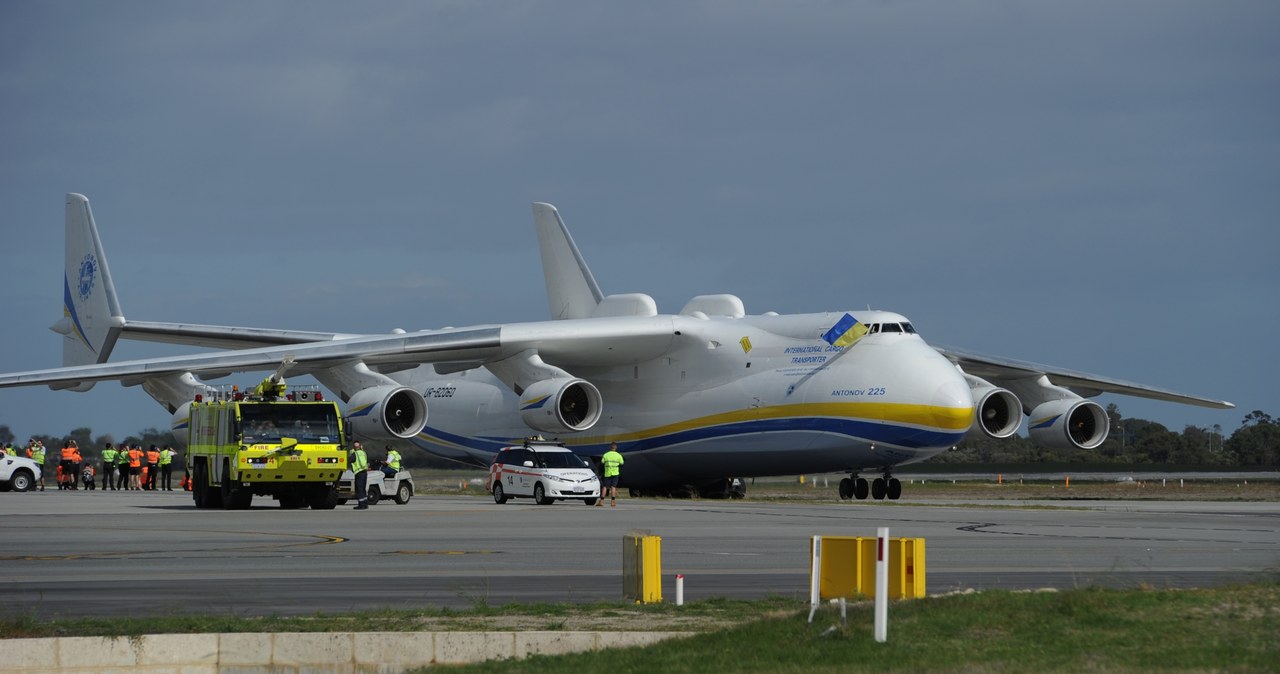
[728, 397]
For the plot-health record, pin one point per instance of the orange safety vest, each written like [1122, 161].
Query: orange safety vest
[153, 456]
[77, 457]
[68, 454]
[135, 458]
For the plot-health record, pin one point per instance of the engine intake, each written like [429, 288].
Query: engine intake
[997, 413]
[561, 405]
[387, 413]
[1069, 423]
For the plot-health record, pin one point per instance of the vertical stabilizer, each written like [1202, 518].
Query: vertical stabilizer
[91, 316]
[571, 289]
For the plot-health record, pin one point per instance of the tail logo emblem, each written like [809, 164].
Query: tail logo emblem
[88, 270]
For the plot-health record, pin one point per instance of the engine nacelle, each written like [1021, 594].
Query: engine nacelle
[997, 413]
[386, 413]
[1069, 423]
[561, 405]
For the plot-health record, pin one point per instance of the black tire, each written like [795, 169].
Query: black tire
[234, 497]
[589, 501]
[292, 501]
[878, 488]
[212, 497]
[21, 480]
[540, 495]
[199, 487]
[404, 493]
[323, 497]
[894, 489]
[499, 496]
[374, 494]
[861, 488]
[846, 489]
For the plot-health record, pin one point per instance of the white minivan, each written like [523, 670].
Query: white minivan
[545, 472]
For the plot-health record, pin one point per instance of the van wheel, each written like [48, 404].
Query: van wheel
[499, 496]
[540, 495]
[589, 501]
[21, 481]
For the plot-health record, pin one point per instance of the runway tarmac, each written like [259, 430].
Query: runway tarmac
[104, 554]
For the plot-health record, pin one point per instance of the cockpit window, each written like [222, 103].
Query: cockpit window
[875, 327]
[907, 328]
[891, 327]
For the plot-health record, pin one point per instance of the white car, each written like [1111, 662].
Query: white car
[544, 472]
[18, 473]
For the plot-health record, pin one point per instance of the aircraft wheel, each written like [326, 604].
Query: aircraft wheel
[404, 493]
[846, 489]
[861, 488]
[499, 496]
[540, 495]
[878, 488]
[374, 494]
[894, 489]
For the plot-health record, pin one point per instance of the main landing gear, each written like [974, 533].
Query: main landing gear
[879, 488]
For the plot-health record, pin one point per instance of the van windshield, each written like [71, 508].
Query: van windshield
[561, 460]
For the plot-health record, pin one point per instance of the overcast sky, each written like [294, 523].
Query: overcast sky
[1094, 185]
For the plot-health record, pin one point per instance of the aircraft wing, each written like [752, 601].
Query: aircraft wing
[997, 369]
[566, 342]
[220, 337]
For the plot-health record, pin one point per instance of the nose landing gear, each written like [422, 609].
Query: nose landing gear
[879, 488]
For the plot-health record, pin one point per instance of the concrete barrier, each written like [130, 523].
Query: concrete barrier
[297, 652]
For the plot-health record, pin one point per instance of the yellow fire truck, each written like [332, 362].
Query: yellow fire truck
[269, 442]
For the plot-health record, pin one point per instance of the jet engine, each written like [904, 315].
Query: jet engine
[1068, 423]
[997, 413]
[560, 405]
[387, 413]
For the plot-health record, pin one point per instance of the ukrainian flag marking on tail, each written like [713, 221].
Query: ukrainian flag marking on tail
[846, 331]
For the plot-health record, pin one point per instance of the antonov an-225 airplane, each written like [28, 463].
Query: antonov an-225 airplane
[693, 399]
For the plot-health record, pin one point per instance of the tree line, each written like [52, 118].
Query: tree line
[1255, 444]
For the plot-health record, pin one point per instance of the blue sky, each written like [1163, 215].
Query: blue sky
[1094, 185]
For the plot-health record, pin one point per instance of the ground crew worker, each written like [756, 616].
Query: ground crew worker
[135, 468]
[612, 462]
[108, 467]
[166, 468]
[359, 468]
[392, 465]
[153, 467]
[35, 452]
[86, 474]
[66, 461]
[122, 467]
[75, 469]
